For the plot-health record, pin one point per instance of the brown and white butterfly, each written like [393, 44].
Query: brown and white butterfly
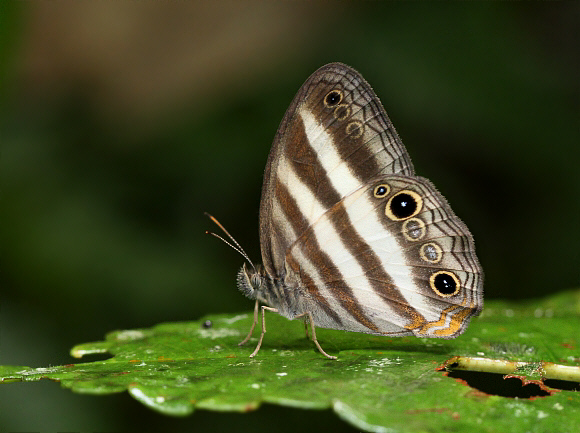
[351, 238]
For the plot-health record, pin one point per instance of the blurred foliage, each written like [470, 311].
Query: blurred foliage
[122, 122]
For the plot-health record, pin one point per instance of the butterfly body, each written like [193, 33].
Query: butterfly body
[351, 238]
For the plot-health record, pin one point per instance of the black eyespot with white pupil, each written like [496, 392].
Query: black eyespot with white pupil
[381, 191]
[403, 206]
[333, 98]
[445, 283]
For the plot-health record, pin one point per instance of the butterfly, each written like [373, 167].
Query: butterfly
[351, 238]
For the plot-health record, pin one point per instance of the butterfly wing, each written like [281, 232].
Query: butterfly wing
[335, 227]
[334, 137]
[389, 258]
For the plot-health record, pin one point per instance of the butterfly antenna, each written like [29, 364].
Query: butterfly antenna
[236, 246]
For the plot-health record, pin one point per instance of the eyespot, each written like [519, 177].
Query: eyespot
[333, 98]
[207, 324]
[355, 129]
[405, 204]
[445, 283]
[381, 190]
[414, 229]
[342, 111]
[431, 252]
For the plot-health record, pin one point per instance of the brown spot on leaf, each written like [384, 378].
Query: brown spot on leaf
[568, 345]
[454, 415]
[164, 359]
[427, 410]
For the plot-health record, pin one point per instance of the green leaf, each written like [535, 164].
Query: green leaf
[377, 383]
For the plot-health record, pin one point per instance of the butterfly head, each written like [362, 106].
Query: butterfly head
[252, 281]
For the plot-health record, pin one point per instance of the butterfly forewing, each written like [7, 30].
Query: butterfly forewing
[334, 137]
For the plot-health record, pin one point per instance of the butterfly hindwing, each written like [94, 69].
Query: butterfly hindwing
[377, 266]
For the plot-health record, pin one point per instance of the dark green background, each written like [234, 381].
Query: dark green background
[121, 123]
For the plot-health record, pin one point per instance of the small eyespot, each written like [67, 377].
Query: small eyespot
[381, 190]
[355, 129]
[445, 283]
[431, 252]
[333, 98]
[341, 112]
[414, 229]
[405, 204]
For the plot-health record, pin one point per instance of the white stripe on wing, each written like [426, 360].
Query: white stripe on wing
[331, 244]
[365, 221]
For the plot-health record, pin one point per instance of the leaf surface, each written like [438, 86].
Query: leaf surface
[377, 383]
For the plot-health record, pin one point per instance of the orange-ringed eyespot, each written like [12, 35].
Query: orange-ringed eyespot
[381, 190]
[445, 283]
[414, 229]
[354, 129]
[431, 252]
[333, 98]
[405, 204]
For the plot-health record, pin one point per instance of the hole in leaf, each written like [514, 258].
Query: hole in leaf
[563, 385]
[496, 384]
[93, 357]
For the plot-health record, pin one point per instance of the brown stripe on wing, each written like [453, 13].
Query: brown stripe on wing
[307, 167]
[274, 238]
[330, 274]
[375, 273]
[372, 156]
[367, 108]
[311, 288]
[377, 150]
[382, 151]
[304, 160]
[378, 129]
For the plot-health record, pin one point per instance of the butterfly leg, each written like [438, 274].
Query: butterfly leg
[306, 329]
[309, 316]
[264, 308]
[245, 340]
